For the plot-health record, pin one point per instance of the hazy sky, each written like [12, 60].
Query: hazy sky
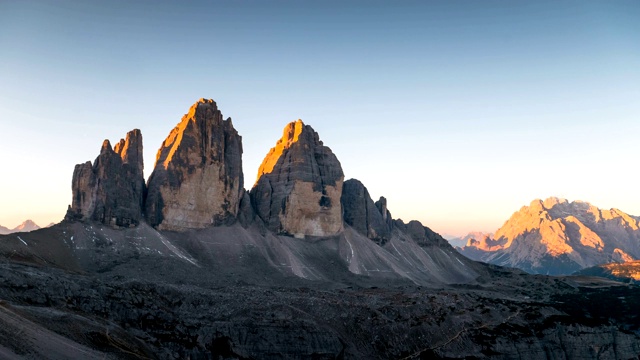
[459, 112]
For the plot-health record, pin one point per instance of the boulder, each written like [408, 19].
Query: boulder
[197, 180]
[299, 185]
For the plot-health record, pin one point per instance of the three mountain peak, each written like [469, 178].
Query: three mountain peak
[197, 182]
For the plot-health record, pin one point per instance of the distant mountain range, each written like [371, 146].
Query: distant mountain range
[556, 237]
[26, 226]
[462, 241]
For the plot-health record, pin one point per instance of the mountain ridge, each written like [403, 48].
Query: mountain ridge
[556, 236]
[25, 226]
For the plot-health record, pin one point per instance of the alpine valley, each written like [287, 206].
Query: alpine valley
[189, 264]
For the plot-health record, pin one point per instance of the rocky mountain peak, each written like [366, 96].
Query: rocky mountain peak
[111, 191]
[197, 180]
[106, 147]
[27, 225]
[299, 185]
[361, 213]
[130, 149]
[550, 202]
[558, 236]
[292, 133]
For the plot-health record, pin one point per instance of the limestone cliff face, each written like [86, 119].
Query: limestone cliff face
[361, 213]
[299, 185]
[556, 236]
[197, 180]
[111, 191]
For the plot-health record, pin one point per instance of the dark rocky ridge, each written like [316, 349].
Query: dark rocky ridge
[421, 234]
[197, 180]
[361, 213]
[112, 190]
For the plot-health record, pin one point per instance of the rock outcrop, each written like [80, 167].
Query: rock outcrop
[361, 213]
[299, 185]
[421, 234]
[197, 180]
[556, 237]
[111, 191]
[626, 271]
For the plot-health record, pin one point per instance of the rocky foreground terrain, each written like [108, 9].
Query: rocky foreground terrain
[229, 292]
[305, 265]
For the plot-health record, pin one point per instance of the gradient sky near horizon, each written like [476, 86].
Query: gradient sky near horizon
[458, 112]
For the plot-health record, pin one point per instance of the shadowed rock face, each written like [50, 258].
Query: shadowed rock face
[421, 234]
[111, 191]
[299, 185]
[361, 213]
[197, 180]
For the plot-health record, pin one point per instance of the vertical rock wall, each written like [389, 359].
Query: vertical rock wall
[197, 180]
[112, 190]
[299, 185]
[361, 213]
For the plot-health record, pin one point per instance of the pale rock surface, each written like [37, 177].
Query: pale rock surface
[299, 185]
[111, 191]
[197, 180]
[482, 241]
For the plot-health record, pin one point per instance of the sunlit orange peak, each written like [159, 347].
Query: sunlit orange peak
[290, 135]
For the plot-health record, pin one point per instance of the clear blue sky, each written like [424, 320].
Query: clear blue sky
[459, 112]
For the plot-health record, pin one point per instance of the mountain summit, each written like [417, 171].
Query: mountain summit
[111, 191]
[556, 236]
[197, 180]
[26, 226]
[299, 185]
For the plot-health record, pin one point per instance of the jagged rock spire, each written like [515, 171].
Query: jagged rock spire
[361, 213]
[197, 180]
[111, 191]
[299, 185]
